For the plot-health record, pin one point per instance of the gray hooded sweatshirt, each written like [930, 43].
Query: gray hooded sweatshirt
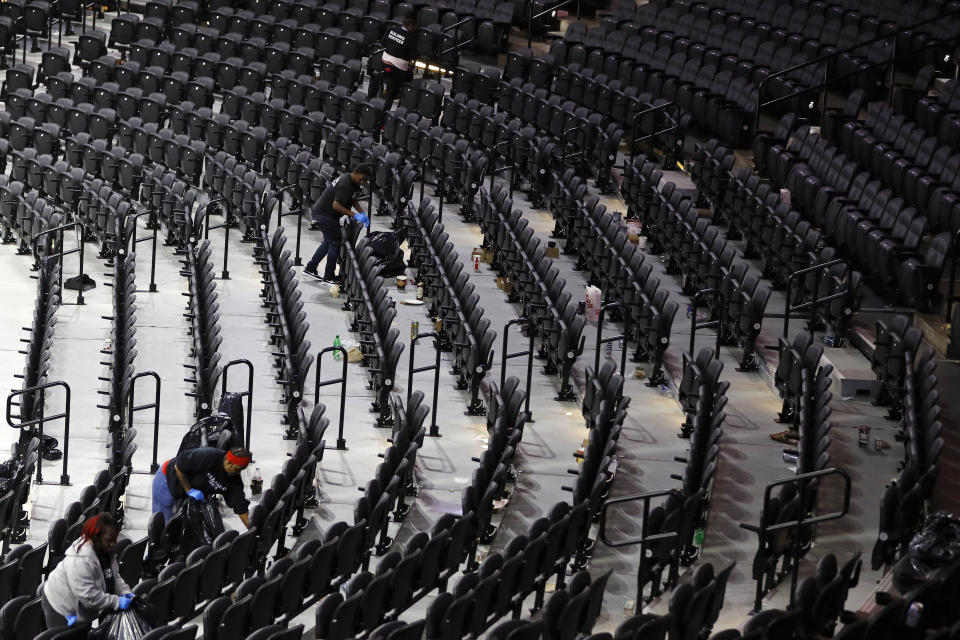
[77, 585]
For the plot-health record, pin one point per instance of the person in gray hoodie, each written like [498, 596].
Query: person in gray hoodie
[87, 582]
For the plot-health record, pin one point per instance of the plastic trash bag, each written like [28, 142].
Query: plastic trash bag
[123, 625]
[593, 301]
[935, 546]
[201, 524]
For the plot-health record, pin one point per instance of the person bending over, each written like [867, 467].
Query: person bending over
[199, 473]
[336, 201]
[87, 584]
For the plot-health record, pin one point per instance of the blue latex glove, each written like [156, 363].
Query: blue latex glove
[196, 494]
[362, 218]
[71, 620]
[125, 601]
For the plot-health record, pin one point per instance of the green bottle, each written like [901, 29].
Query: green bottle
[698, 537]
[336, 343]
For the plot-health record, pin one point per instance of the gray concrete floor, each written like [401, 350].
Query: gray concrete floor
[749, 459]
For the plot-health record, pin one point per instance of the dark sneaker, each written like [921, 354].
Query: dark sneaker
[312, 274]
[333, 280]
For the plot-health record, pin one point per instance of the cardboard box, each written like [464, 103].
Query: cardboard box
[552, 252]
[503, 283]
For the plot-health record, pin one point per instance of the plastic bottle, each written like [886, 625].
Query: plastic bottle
[698, 537]
[664, 390]
[476, 263]
[420, 291]
[256, 484]
[609, 349]
[689, 311]
[336, 342]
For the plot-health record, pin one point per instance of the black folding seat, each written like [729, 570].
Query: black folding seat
[917, 279]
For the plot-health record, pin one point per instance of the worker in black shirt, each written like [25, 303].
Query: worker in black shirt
[200, 473]
[396, 60]
[336, 200]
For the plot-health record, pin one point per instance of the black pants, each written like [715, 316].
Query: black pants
[374, 70]
[391, 80]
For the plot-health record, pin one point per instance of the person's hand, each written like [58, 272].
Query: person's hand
[196, 494]
[362, 218]
[125, 601]
[71, 620]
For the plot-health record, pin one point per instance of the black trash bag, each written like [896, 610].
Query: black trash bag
[393, 266]
[8, 473]
[201, 524]
[231, 405]
[213, 431]
[74, 283]
[123, 625]
[48, 448]
[383, 244]
[933, 547]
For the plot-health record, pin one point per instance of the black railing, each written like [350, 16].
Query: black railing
[225, 225]
[444, 52]
[58, 241]
[132, 408]
[435, 367]
[534, 16]
[622, 338]
[645, 539]
[804, 481]
[709, 324]
[342, 381]
[812, 304]
[248, 394]
[835, 55]
[153, 247]
[39, 422]
[530, 350]
[295, 209]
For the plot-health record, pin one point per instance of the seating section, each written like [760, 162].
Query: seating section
[694, 608]
[683, 512]
[901, 507]
[194, 112]
[203, 313]
[453, 299]
[695, 249]
[288, 319]
[868, 223]
[616, 266]
[804, 385]
[373, 315]
[536, 284]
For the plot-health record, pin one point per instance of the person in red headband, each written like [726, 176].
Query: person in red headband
[196, 474]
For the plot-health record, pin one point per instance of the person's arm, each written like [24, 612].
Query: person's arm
[342, 210]
[236, 500]
[86, 586]
[184, 480]
[120, 587]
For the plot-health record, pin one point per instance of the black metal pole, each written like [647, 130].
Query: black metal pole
[341, 441]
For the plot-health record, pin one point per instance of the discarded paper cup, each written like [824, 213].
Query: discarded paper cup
[401, 282]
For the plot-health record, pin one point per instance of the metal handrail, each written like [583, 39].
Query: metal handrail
[787, 309]
[342, 381]
[61, 253]
[532, 16]
[764, 530]
[835, 55]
